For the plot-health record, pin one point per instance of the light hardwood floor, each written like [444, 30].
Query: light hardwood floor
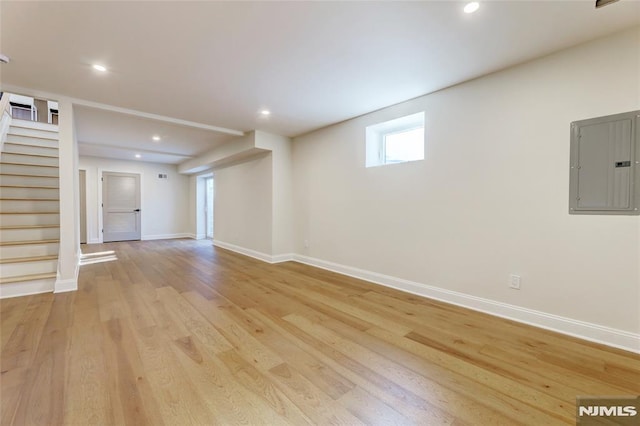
[179, 333]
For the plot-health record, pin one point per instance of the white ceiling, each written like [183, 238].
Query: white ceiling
[310, 63]
[102, 133]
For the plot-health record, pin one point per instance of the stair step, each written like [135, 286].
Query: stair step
[29, 192]
[22, 157]
[29, 233]
[24, 212]
[28, 226]
[29, 219]
[32, 132]
[28, 259]
[29, 250]
[7, 179]
[35, 125]
[24, 162]
[16, 269]
[27, 187]
[26, 243]
[33, 206]
[24, 278]
[29, 170]
[23, 148]
[28, 199]
[47, 155]
[28, 140]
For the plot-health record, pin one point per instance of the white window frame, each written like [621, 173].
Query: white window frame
[376, 137]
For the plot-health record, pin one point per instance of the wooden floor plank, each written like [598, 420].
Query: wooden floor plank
[181, 332]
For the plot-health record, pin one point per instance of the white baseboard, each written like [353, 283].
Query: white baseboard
[26, 288]
[165, 236]
[69, 284]
[279, 258]
[197, 236]
[94, 241]
[253, 253]
[581, 329]
[63, 286]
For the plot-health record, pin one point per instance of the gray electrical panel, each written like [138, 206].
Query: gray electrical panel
[605, 157]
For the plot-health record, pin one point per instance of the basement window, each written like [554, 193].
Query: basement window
[396, 141]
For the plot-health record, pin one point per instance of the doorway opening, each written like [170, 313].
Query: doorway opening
[208, 206]
[82, 176]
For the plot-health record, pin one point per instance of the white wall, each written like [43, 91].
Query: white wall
[243, 205]
[282, 190]
[491, 197]
[165, 205]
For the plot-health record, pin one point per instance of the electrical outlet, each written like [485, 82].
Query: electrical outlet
[306, 243]
[514, 281]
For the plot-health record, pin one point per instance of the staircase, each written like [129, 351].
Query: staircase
[29, 209]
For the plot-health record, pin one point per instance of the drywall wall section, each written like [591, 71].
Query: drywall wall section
[69, 250]
[243, 207]
[282, 191]
[490, 199]
[165, 208]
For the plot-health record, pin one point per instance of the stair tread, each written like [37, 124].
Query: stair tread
[30, 155]
[30, 186]
[51, 138]
[23, 278]
[28, 199]
[26, 243]
[30, 175]
[28, 259]
[29, 226]
[27, 164]
[16, 143]
[27, 124]
[29, 212]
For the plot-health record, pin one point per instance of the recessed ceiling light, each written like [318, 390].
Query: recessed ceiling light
[99, 67]
[138, 155]
[265, 112]
[471, 7]
[156, 138]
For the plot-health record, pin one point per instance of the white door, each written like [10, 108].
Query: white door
[120, 206]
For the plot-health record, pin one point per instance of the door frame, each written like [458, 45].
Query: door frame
[99, 199]
[83, 206]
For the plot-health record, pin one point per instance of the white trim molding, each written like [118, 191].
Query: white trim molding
[62, 286]
[279, 258]
[165, 236]
[253, 253]
[584, 330]
[70, 284]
